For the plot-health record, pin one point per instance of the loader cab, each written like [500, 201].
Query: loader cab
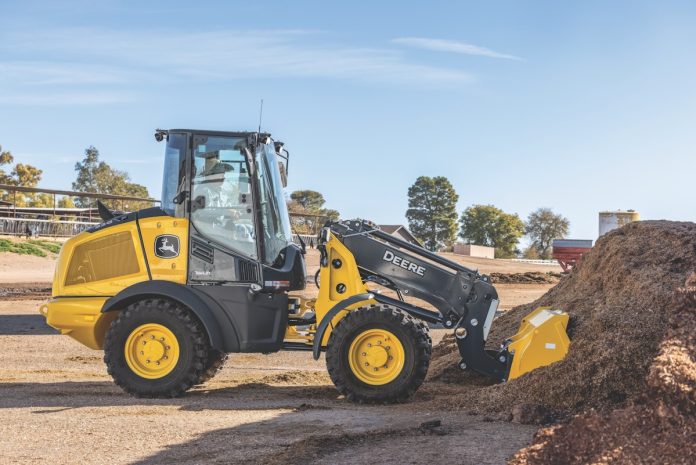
[229, 186]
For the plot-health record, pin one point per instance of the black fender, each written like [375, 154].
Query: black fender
[326, 321]
[416, 312]
[221, 332]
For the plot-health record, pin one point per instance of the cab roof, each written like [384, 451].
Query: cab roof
[209, 132]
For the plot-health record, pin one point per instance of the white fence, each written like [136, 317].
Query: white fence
[535, 262]
[36, 227]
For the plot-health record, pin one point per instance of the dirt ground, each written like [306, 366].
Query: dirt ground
[59, 406]
[15, 268]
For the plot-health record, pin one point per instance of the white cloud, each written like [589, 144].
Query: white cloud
[453, 46]
[64, 98]
[73, 56]
[42, 73]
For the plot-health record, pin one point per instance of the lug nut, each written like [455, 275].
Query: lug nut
[376, 369]
[162, 339]
[367, 364]
[142, 352]
[387, 347]
[364, 354]
[157, 363]
[165, 357]
[152, 337]
[167, 347]
[147, 361]
[391, 358]
[379, 342]
[144, 342]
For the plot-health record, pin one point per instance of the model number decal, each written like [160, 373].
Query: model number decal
[403, 263]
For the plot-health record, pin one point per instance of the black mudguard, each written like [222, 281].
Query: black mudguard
[222, 334]
[412, 310]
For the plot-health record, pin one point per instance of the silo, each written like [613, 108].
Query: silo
[615, 219]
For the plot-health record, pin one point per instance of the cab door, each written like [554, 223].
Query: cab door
[224, 246]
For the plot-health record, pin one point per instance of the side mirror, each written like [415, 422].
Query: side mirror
[284, 167]
[283, 173]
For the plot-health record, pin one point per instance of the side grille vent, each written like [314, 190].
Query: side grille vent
[202, 251]
[248, 272]
[108, 257]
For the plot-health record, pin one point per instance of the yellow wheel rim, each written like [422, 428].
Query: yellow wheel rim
[152, 351]
[376, 357]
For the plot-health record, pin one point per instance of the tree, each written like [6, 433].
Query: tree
[6, 158]
[66, 202]
[309, 203]
[543, 226]
[530, 253]
[308, 200]
[490, 226]
[98, 177]
[23, 175]
[432, 211]
[26, 175]
[330, 214]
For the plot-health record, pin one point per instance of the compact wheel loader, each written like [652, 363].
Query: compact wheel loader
[168, 292]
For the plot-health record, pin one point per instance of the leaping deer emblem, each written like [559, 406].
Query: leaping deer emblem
[167, 247]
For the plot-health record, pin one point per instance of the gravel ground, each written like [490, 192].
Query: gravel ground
[59, 406]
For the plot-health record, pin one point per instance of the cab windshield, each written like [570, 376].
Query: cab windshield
[274, 213]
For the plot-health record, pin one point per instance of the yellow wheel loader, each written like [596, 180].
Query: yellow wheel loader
[168, 292]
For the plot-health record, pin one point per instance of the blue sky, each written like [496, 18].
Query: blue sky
[577, 106]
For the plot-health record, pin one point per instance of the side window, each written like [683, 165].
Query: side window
[174, 173]
[221, 200]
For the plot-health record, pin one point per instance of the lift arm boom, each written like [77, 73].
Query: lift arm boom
[466, 300]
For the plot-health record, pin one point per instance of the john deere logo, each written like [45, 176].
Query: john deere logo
[167, 246]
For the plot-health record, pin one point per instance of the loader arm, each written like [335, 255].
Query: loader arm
[465, 299]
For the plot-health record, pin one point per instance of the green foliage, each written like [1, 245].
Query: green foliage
[23, 248]
[331, 215]
[66, 202]
[6, 158]
[492, 227]
[432, 211]
[543, 226]
[53, 247]
[530, 253]
[308, 202]
[98, 177]
[26, 176]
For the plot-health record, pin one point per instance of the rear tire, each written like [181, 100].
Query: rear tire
[362, 373]
[175, 359]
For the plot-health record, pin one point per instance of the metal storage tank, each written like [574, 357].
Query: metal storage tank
[615, 219]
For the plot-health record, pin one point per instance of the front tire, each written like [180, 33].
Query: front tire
[378, 354]
[156, 348]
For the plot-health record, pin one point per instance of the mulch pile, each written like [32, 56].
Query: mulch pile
[657, 427]
[531, 277]
[621, 299]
